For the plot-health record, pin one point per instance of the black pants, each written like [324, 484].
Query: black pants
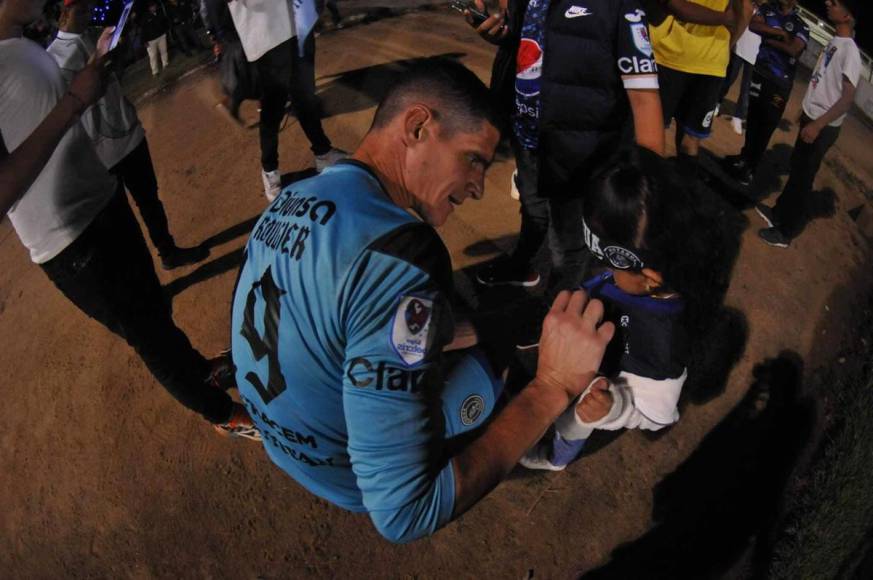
[107, 273]
[137, 174]
[767, 101]
[558, 218]
[283, 71]
[790, 208]
[735, 67]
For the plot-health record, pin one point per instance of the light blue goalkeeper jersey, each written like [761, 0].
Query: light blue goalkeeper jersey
[339, 319]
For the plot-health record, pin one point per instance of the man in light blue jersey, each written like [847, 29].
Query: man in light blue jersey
[342, 325]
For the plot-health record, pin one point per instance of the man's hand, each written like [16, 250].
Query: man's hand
[572, 343]
[494, 28]
[103, 43]
[597, 403]
[809, 133]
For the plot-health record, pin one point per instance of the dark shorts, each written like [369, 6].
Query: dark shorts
[689, 98]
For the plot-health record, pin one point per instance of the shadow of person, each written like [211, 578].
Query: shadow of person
[363, 88]
[775, 163]
[726, 496]
[220, 265]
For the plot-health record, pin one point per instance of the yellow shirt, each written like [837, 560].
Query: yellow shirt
[692, 48]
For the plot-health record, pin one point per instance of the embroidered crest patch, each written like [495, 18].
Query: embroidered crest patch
[409, 333]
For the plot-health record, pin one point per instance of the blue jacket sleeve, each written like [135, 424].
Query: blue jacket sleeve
[397, 322]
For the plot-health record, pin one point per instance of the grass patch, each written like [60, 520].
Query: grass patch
[831, 515]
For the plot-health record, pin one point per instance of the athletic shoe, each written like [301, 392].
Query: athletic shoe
[737, 125]
[272, 184]
[239, 425]
[325, 160]
[773, 237]
[738, 169]
[513, 186]
[183, 256]
[503, 272]
[538, 458]
[766, 213]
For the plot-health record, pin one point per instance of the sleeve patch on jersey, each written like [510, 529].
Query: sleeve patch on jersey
[410, 330]
[640, 33]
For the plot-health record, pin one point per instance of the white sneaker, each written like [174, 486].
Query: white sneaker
[737, 125]
[324, 161]
[272, 184]
[538, 458]
[513, 187]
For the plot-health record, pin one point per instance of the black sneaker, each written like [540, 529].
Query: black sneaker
[183, 256]
[774, 237]
[766, 213]
[506, 273]
[222, 372]
[738, 169]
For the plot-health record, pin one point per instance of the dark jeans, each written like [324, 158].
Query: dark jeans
[766, 104]
[790, 208]
[282, 71]
[137, 174]
[737, 64]
[107, 273]
[558, 218]
[186, 38]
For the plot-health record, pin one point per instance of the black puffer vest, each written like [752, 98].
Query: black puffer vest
[585, 116]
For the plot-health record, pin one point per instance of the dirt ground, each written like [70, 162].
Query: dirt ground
[104, 475]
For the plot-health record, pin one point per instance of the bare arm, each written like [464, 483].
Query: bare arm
[811, 130]
[571, 348]
[648, 118]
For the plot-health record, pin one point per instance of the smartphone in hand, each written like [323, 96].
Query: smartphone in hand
[479, 16]
[119, 28]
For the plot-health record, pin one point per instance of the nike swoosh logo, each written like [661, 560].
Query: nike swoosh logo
[576, 12]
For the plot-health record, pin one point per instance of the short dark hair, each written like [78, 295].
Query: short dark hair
[458, 98]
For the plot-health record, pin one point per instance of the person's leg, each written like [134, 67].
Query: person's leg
[570, 256]
[107, 273]
[790, 209]
[734, 66]
[138, 175]
[743, 99]
[764, 117]
[162, 46]
[152, 49]
[274, 68]
[696, 114]
[672, 85]
[306, 104]
[534, 209]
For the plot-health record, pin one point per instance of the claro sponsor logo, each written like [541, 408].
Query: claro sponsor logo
[635, 65]
[364, 374]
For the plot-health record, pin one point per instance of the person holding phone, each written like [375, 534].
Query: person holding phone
[118, 135]
[70, 215]
[578, 82]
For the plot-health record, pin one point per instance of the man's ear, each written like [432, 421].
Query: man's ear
[415, 123]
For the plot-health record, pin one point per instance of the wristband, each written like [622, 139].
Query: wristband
[81, 104]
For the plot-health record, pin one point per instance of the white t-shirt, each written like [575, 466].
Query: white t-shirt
[112, 122]
[262, 24]
[839, 59]
[74, 185]
[748, 45]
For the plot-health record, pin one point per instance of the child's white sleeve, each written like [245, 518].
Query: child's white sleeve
[637, 403]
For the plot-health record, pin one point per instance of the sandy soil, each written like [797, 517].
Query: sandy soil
[104, 475]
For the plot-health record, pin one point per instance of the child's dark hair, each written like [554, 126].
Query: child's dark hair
[640, 201]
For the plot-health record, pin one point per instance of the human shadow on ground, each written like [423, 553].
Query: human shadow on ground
[726, 496]
[767, 178]
[233, 259]
[363, 88]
